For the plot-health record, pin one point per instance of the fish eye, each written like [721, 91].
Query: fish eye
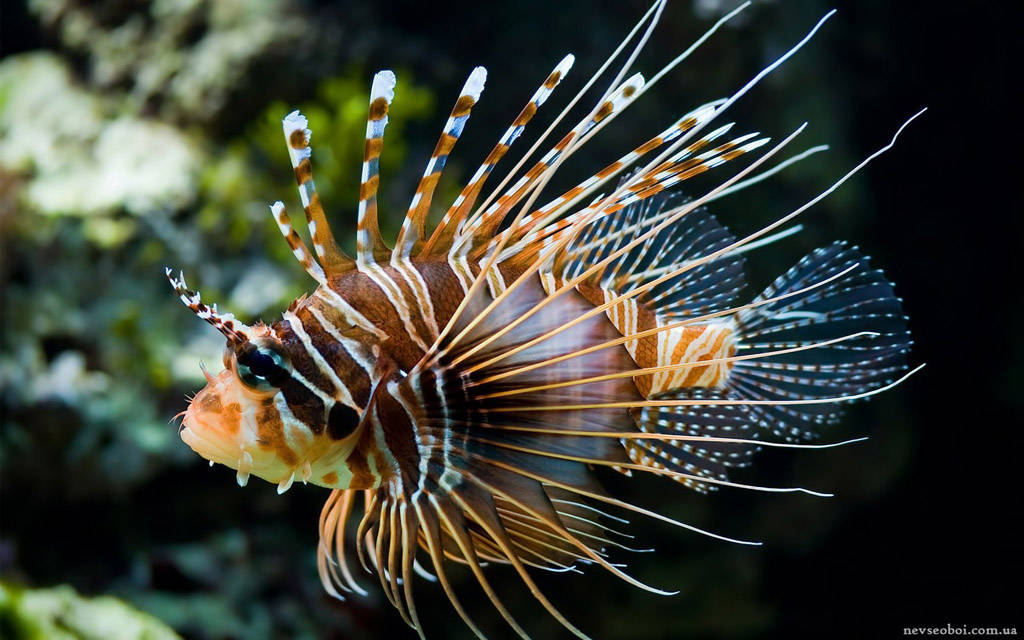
[261, 368]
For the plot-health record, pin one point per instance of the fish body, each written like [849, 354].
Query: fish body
[466, 384]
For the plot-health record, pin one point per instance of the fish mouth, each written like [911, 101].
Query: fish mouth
[208, 440]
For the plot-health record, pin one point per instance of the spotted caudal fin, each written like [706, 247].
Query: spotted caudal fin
[857, 319]
[828, 331]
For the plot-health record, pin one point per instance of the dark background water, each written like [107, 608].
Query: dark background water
[98, 493]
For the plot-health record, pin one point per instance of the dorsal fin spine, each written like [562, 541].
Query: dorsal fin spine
[412, 230]
[452, 223]
[297, 136]
[369, 244]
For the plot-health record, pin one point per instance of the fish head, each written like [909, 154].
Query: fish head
[261, 416]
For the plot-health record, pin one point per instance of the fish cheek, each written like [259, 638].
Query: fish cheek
[231, 418]
[270, 432]
[209, 402]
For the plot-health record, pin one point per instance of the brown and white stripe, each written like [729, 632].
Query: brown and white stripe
[368, 239]
[297, 135]
[454, 218]
[412, 230]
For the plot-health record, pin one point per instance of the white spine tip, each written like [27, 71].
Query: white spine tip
[293, 121]
[277, 208]
[286, 484]
[566, 64]
[383, 86]
[744, 138]
[244, 467]
[475, 83]
[720, 131]
[628, 90]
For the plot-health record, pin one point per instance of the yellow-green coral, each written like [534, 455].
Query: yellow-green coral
[60, 613]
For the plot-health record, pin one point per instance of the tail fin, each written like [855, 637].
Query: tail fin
[862, 300]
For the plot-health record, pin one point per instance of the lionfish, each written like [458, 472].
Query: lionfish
[467, 382]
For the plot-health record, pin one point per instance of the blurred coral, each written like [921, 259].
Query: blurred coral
[61, 614]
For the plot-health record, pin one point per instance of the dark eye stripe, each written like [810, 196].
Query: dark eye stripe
[351, 373]
[305, 405]
[301, 361]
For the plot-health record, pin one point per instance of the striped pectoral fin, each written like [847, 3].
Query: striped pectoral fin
[479, 495]
[488, 475]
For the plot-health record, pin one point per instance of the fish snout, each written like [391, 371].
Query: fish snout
[212, 425]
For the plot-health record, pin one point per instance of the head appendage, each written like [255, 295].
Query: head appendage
[369, 243]
[412, 230]
[235, 331]
[297, 136]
